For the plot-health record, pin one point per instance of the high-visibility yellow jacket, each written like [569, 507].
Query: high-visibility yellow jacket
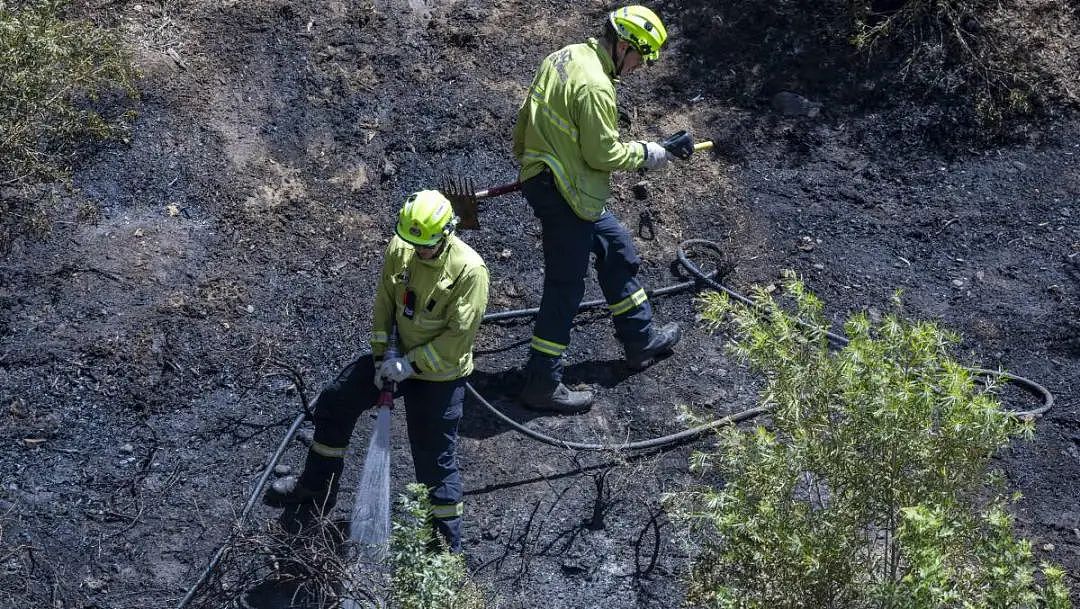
[569, 123]
[437, 324]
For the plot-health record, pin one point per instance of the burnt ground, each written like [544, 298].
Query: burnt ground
[243, 224]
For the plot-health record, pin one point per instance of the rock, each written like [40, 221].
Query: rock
[806, 243]
[958, 283]
[818, 266]
[388, 170]
[505, 254]
[1048, 547]
[641, 190]
[284, 486]
[94, 584]
[793, 104]
[282, 470]
[573, 566]
[127, 449]
[1020, 165]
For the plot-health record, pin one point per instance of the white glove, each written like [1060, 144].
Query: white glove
[378, 376]
[655, 155]
[397, 369]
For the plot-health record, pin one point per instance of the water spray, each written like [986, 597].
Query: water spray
[369, 529]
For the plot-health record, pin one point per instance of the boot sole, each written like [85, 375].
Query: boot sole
[555, 409]
[649, 361]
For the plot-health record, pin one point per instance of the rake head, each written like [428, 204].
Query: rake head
[461, 193]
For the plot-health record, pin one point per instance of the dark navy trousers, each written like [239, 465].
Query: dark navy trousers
[568, 240]
[432, 413]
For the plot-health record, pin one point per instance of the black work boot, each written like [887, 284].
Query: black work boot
[659, 345]
[289, 491]
[561, 400]
[544, 389]
[308, 496]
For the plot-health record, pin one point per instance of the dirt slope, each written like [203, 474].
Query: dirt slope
[245, 222]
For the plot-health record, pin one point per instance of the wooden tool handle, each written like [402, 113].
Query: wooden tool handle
[703, 145]
[496, 191]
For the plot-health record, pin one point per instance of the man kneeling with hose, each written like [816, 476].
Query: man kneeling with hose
[434, 288]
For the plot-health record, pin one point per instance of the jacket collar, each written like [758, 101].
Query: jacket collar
[605, 59]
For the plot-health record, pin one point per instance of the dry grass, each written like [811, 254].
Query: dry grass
[53, 72]
[1006, 58]
[312, 570]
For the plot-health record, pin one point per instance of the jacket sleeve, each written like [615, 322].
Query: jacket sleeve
[445, 351]
[384, 307]
[598, 133]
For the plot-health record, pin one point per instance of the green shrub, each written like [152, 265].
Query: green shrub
[52, 69]
[422, 578]
[1005, 58]
[872, 487]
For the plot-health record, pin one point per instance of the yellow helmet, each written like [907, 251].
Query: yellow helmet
[641, 28]
[426, 218]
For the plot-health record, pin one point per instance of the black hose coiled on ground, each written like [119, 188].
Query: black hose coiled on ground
[1028, 385]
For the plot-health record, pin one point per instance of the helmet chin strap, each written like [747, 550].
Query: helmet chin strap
[448, 230]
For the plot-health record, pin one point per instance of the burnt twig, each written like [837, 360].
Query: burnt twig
[68, 269]
[298, 382]
[949, 222]
[232, 426]
[653, 524]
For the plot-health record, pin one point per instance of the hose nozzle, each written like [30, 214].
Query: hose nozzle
[386, 396]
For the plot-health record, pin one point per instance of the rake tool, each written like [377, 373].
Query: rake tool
[465, 199]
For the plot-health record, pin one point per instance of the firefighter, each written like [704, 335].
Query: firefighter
[434, 287]
[567, 141]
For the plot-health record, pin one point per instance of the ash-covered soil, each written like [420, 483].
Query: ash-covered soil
[243, 225]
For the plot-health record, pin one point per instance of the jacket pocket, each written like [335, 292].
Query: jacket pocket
[433, 312]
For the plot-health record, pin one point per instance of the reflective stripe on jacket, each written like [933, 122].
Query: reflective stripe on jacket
[569, 124]
[438, 328]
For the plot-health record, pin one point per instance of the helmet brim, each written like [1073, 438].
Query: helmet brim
[411, 240]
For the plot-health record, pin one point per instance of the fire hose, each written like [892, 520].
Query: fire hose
[1028, 385]
[701, 278]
